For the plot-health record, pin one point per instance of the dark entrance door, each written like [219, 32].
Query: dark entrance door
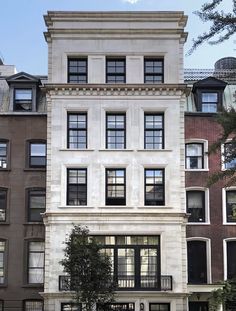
[198, 306]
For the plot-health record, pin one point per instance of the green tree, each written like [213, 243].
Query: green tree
[89, 269]
[223, 25]
[227, 120]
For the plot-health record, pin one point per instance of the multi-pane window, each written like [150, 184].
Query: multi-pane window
[154, 187]
[37, 154]
[153, 70]
[116, 307]
[159, 307]
[231, 259]
[3, 204]
[115, 131]
[23, 99]
[229, 159]
[136, 260]
[194, 156]
[33, 305]
[209, 102]
[77, 70]
[77, 186]
[2, 261]
[196, 205]
[70, 307]
[197, 265]
[153, 131]
[36, 204]
[115, 70]
[198, 306]
[3, 154]
[115, 187]
[35, 262]
[77, 130]
[231, 205]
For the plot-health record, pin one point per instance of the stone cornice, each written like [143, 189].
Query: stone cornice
[116, 89]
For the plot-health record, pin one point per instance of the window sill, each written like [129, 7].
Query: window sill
[115, 206]
[154, 150]
[197, 170]
[155, 207]
[198, 223]
[36, 169]
[33, 285]
[4, 223]
[116, 150]
[5, 169]
[74, 206]
[3, 285]
[229, 223]
[30, 223]
[72, 149]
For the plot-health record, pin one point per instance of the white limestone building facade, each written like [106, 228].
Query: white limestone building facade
[115, 153]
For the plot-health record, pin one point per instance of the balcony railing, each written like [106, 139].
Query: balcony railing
[65, 284]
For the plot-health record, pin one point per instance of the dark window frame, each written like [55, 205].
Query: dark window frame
[159, 304]
[32, 300]
[120, 200]
[4, 268]
[137, 261]
[5, 190]
[7, 155]
[194, 304]
[77, 129]
[115, 130]
[1, 305]
[29, 191]
[153, 74]
[229, 217]
[19, 102]
[115, 74]
[161, 202]
[121, 304]
[209, 103]
[203, 200]
[146, 130]
[85, 185]
[195, 276]
[231, 265]
[77, 74]
[36, 142]
[27, 260]
[201, 156]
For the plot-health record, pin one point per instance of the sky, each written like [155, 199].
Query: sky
[22, 25]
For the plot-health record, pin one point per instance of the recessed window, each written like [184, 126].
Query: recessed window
[194, 156]
[37, 154]
[3, 204]
[115, 70]
[2, 261]
[209, 102]
[198, 306]
[231, 205]
[77, 186]
[153, 70]
[23, 99]
[36, 204]
[3, 154]
[136, 260]
[196, 206]
[197, 265]
[35, 262]
[115, 131]
[153, 131]
[70, 307]
[77, 130]
[33, 305]
[159, 307]
[115, 187]
[154, 187]
[229, 160]
[77, 70]
[231, 259]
